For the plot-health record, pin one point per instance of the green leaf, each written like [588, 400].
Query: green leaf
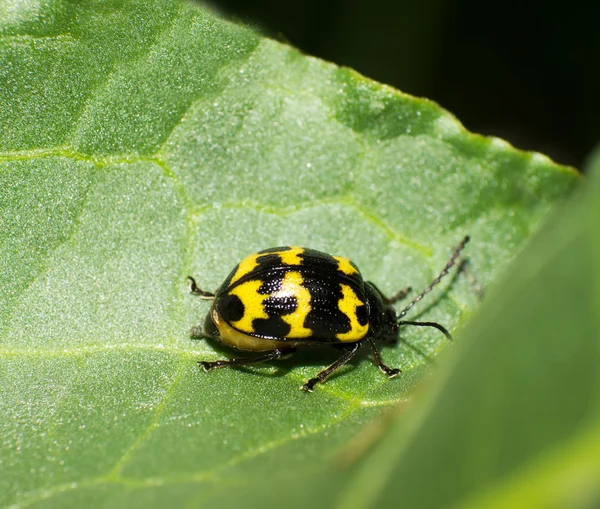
[142, 142]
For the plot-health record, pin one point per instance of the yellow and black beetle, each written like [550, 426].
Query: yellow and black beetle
[284, 298]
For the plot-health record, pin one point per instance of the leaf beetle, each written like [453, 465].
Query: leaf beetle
[284, 298]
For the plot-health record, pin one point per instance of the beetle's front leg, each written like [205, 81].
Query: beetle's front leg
[390, 372]
[323, 375]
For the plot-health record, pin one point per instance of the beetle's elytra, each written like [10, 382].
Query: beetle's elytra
[284, 298]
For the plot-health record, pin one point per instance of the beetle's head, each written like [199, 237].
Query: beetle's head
[382, 317]
[389, 324]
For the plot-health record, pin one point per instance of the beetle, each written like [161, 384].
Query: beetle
[284, 298]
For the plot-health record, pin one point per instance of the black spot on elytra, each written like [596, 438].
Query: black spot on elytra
[271, 284]
[325, 318]
[318, 259]
[278, 306]
[361, 315]
[326, 323]
[273, 327]
[266, 262]
[230, 307]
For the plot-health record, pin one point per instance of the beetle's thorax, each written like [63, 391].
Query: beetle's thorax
[382, 317]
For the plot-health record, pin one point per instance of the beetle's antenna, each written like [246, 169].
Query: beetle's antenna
[435, 282]
[436, 325]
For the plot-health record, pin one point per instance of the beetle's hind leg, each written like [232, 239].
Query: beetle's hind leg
[245, 361]
[206, 331]
[203, 294]
[386, 370]
[323, 375]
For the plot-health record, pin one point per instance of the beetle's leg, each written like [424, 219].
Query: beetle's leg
[199, 332]
[465, 267]
[398, 296]
[198, 291]
[323, 375]
[388, 301]
[206, 331]
[244, 361]
[390, 372]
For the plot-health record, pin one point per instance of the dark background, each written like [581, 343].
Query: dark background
[523, 71]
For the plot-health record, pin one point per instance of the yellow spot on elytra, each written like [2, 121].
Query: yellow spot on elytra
[292, 287]
[237, 339]
[291, 256]
[348, 304]
[345, 266]
[253, 304]
[246, 266]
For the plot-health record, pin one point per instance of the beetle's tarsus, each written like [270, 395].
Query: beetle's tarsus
[386, 370]
[203, 294]
[308, 386]
[324, 374]
[390, 372]
[208, 366]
